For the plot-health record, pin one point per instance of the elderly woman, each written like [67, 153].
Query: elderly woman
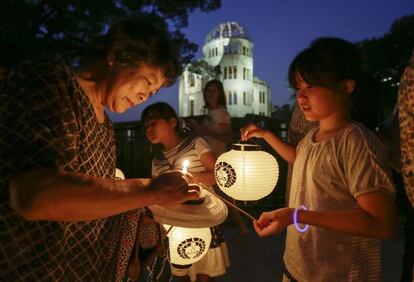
[63, 216]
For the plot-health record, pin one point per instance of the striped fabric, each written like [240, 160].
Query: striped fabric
[189, 149]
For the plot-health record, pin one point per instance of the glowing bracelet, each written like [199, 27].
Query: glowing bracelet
[295, 219]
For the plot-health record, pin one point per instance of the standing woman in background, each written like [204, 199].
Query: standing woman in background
[216, 130]
[216, 126]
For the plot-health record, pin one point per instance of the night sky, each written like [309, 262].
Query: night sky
[280, 29]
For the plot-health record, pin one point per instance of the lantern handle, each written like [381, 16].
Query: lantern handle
[252, 141]
[168, 231]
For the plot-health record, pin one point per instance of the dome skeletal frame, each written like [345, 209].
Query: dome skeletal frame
[227, 30]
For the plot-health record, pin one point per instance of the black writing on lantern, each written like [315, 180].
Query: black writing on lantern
[191, 248]
[225, 174]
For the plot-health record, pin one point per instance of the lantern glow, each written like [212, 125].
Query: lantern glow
[185, 165]
[188, 245]
[246, 173]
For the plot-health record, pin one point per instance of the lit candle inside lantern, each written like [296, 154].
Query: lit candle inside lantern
[185, 165]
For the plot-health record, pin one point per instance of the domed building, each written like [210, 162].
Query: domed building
[228, 57]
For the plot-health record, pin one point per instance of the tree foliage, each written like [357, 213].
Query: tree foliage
[386, 58]
[31, 27]
[203, 68]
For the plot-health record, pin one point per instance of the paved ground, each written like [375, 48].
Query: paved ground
[255, 259]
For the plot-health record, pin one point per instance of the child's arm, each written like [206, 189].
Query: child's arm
[284, 149]
[375, 216]
[208, 160]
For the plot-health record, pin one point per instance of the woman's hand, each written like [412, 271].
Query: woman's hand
[273, 222]
[172, 188]
[251, 130]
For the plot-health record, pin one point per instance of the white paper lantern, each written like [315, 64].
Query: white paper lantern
[246, 172]
[188, 245]
[119, 174]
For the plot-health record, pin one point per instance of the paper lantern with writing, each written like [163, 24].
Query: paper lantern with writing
[188, 245]
[246, 172]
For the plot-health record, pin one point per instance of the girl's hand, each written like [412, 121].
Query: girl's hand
[251, 130]
[273, 222]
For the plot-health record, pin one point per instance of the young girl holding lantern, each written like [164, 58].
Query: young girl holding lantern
[341, 199]
[173, 147]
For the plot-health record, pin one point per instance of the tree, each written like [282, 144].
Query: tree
[386, 57]
[31, 27]
[201, 67]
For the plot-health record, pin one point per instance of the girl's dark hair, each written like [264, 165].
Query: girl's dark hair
[221, 97]
[162, 110]
[142, 39]
[327, 62]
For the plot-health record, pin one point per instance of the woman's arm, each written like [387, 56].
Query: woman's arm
[375, 216]
[284, 149]
[67, 196]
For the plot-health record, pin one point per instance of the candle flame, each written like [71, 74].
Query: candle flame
[185, 165]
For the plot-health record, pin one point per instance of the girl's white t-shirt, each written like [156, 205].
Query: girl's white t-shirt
[327, 176]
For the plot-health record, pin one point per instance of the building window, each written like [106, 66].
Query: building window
[244, 98]
[244, 50]
[191, 79]
[232, 48]
[225, 73]
[235, 72]
[216, 51]
[244, 73]
[230, 99]
[262, 97]
[191, 107]
[230, 72]
[235, 98]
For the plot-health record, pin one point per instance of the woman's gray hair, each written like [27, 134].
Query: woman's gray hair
[142, 39]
